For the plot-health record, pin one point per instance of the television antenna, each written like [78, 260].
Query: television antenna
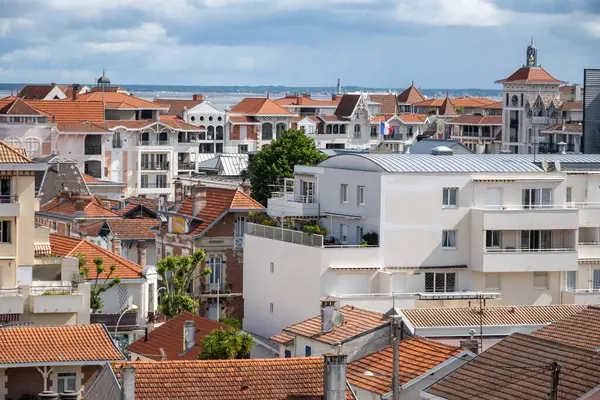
[337, 319]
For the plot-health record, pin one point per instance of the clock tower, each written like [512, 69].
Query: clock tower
[531, 60]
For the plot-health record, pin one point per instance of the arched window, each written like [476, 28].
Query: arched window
[336, 129]
[163, 137]
[202, 135]
[342, 129]
[32, 147]
[267, 131]
[329, 129]
[280, 128]
[211, 132]
[14, 142]
[219, 133]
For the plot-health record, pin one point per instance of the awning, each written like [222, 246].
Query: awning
[341, 215]
[43, 249]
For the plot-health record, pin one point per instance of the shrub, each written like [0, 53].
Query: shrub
[372, 238]
[314, 230]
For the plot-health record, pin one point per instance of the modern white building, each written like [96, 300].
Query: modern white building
[427, 230]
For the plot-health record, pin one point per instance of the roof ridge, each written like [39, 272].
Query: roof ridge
[233, 361]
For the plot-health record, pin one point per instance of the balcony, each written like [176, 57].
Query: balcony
[155, 142]
[284, 235]
[519, 217]
[185, 165]
[129, 319]
[9, 206]
[581, 296]
[589, 213]
[11, 301]
[528, 260]
[291, 204]
[155, 166]
[393, 137]
[146, 185]
[589, 250]
[55, 299]
[93, 150]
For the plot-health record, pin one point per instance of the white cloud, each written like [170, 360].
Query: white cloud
[452, 13]
[10, 25]
[592, 28]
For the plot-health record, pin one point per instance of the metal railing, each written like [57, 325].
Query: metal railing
[284, 235]
[52, 290]
[515, 250]
[528, 207]
[467, 293]
[9, 199]
[155, 185]
[588, 243]
[295, 198]
[186, 165]
[582, 290]
[155, 165]
[18, 291]
[93, 150]
[349, 246]
[393, 137]
[155, 142]
[585, 204]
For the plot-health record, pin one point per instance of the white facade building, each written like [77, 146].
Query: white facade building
[450, 228]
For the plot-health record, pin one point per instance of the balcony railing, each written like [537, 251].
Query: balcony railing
[585, 204]
[284, 235]
[155, 142]
[52, 290]
[186, 165]
[11, 291]
[9, 199]
[514, 250]
[93, 150]
[296, 198]
[155, 185]
[519, 207]
[155, 165]
[393, 137]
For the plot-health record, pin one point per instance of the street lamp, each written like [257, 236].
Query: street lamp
[132, 307]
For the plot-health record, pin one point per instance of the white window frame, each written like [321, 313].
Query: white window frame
[64, 378]
[446, 197]
[449, 236]
[569, 196]
[33, 146]
[360, 195]
[215, 263]
[495, 236]
[343, 233]
[435, 276]
[571, 280]
[537, 276]
[344, 193]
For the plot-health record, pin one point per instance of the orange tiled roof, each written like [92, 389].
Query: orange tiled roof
[56, 344]
[411, 95]
[494, 106]
[120, 100]
[282, 338]
[356, 322]
[252, 379]
[177, 123]
[530, 75]
[572, 105]
[19, 107]
[169, 336]
[333, 118]
[306, 101]
[11, 155]
[67, 246]
[65, 111]
[387, 102]
[239, 119]
[413, 118]
[134, 228]
[378, 118]
[92, 208]
[259, 106]
[447, 107]
[581, 329]
[90, 179]
[417, 356]
[81, 127]
[466, 102]
[477, 120]
[218, 201]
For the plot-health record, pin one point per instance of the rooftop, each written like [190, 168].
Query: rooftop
[35, 91]
[119, 100]
[11, 155]
[67, 206]
[347, 105]
[388, 103]
[133, 228]
[56, 345]
[411, 95]
[176, 106]
[581, 329]
[477, 120]
[68, 111]
[306, 101]
[259, 106]
[169, 337]
[530, 75]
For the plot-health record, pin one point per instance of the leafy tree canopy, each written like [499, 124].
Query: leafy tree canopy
[226, 344]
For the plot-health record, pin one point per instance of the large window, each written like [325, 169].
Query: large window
[66, 381]
[5, 191]
[450, 197]
[267, 131]
[536, 240]
[215, 263]
[492, 239]
[32, 147]
[219, 133]
[210, 132]
[440, 282]
[536, 198]
[571, 280]
[449, 239]
[596, 279]
[343, 233]
[343, 193]
[14, 142]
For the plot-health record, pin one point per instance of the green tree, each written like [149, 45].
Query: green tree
[177, 273]
[231, 321]
[99, 286]
[459, 109]
[274, 162]
[226, 344]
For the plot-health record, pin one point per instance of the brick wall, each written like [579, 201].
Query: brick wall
[234, 133]
[252, 132]
[224, 228]
[21, 381]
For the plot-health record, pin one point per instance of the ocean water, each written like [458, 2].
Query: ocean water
[225, 96]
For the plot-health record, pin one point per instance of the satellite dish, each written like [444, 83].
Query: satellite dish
[545, 165]
[557, 165]
[337, 319]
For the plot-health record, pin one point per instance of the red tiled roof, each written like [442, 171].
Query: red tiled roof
[19, 107]
[252, 379]
[581, 329]
[56, 344]
[120, 100]
[413, 118]
[134, 228]
[466, 102]
[333, 118]
[417, 356]
[90, 228]
[477, 120]
[306, 101]
[169, 337]
[176, 106]
[81, 127]
[530, 75]
[259, 106]
[11, 155]
[347, 105]
[65, 111]
[388, 103]
[240, 119]
[218, 201]
[518, 368]
[356, 322]
[282, 338]
[178, 124]
[411, 95]
[67, 246]
[572, 105]
[92, 207]
[447, 108]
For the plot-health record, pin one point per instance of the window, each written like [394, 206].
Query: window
[492, 239]
[450, 197]
[540, 280]
[343, 233]
[569, 194]
[215, 263]
[356, 131]
[144, 181]
[66, 381]
[219, 148]
[571, 280]
[344, 193]
[219, 133]
[146, 114]
[329, 129]
[336, 129]
[32, 147]
[596, 279]
[440, 282]
[5, 191]
[536, 198]
[210, 132]
[360, 231]
[271, 308]
[272, 267]
[242, 148]
[288, 354]
[267, 131]
[492, 280]
[161, 181]
[342, 129]
[14, 142]
[360, 195]
[536, 240]
[116, 140]
[5, 231]
[449, 239]
[307, 351]
[373, 130]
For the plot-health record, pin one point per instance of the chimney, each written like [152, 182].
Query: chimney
[79, 208]
[68, 395]
[471, 345]
[178, 191]
[189, 333]
[48, 395]
[76, 88]
[268, 94]
[127, 382]
[334, 378]
[141, 252]
[334, 97]
[116, 246]
[197, 97]
[198, 199]
[562, 147]
[327, 309]
[121, 204]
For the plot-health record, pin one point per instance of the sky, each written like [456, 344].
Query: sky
[369, 43]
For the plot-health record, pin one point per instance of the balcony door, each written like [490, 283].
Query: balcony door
[308, 191]
[536, 240]
[5, 191]
[536, 198]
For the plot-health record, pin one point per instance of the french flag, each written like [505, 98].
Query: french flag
[385, 128]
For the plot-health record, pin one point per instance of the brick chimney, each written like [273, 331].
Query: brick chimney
[334, 97]
[334, 378]
[178, 191]
[127, 382]
[79, 208]
[198, 199]
[197, 97]
[76, 88]
[141, 252]
[116, 246]
[327, 309]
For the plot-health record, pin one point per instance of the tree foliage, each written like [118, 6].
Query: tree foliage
[177, 273]
[274, 162]
[232, 322]
[226, 344]
[459, 109]
[100, 285]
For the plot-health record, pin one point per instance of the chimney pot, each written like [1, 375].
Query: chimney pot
[198, 199]
[127, 382]
[189, 333]
[76, 88]
[327, 309]
[142, 252]
[197, 97]
[334, 378]
[116, 246]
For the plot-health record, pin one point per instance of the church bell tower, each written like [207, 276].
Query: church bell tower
[531, 60]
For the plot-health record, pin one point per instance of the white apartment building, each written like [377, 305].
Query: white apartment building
[452, 228]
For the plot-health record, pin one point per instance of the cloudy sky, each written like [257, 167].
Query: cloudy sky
[381, 43]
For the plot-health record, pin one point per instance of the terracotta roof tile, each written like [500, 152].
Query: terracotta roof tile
[581, 329]
[388, 103]
[178, 124]
[411, 95]
[19, 107]
[90, 179]
[333, 118]
[93, 208]
[506, 315]
[447, 108]
[120, 100]
[81, 127]
[253, 379]
[11, 155]
[413, 118]
[65, 111]
[169, 336]
[90, 228]
[530, 75]
[517, 368]
[282, 338]
[56, 344]
[176, 106]
[240, 119]
[572, 105]
[494, 106]
[134, 228]
[33, 92]
[356, 322]
[417, 356]
[67, 246]
[259, 106]
[133, 124]
[306, 101]
[477, 120]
